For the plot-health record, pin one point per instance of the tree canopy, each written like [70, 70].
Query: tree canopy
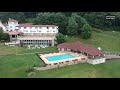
[86, 31]
[60, 38]
[3, 36]
[68, 22]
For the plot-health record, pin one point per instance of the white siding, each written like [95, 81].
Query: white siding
[96, 61]
[39, 30]
[30, 30]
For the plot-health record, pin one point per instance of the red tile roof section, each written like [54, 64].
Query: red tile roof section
[30, 36]
[13, 32]
[77, 46]
[30, 25]
[12, 20]
[26, 23]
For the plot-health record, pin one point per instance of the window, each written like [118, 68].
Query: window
[67, 61]
[53, 27]
[25, 27]
[82, 58]
[47, 27]
[10, 26]
[13, 36]
[53, 31]
[55, 63]
[47, 31]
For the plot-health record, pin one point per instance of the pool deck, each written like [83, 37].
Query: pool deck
[43, 57]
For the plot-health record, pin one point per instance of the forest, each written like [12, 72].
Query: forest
[70, 23]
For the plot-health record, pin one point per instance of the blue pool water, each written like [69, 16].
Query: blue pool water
[59, 57]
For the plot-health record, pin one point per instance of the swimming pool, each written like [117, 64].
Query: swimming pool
[59, 57]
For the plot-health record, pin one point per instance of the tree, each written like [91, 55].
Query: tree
[72, 26]
[60, 38]
[58, 19]
[1, 30]
[4, 37]
[80, 21]
[42, 18]
[87, 31]
[4, 16]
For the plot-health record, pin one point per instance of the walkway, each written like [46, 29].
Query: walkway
[112, 55]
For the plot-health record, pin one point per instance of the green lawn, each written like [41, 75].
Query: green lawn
[16, 66]
[106, 70]
[21, 50]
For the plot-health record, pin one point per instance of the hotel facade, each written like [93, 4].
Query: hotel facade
[30, 34]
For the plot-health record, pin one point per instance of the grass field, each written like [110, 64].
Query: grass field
[21, 50]
[16, 66]
[106, 70]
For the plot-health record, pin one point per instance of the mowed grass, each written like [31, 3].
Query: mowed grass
[22, 50]
[109, 69]
[16, 66]
[114, 34]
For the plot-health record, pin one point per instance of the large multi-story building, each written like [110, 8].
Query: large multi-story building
[30, 34]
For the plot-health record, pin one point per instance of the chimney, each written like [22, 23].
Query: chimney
[9, 18]
[0, 21]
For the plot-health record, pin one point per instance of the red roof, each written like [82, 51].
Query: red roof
[77, 46]
[5, 24]
[12, 20]
[13, 32]
[26, 23]
[30, 25]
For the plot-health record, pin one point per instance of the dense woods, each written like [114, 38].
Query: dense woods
[71, 23]
[3, 36]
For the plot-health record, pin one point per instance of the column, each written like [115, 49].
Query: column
[53, 42]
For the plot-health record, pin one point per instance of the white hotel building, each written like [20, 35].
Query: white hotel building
[30, 34]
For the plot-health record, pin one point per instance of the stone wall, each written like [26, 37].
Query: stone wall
[96, 61]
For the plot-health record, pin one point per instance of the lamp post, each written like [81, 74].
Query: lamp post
[111, 18]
